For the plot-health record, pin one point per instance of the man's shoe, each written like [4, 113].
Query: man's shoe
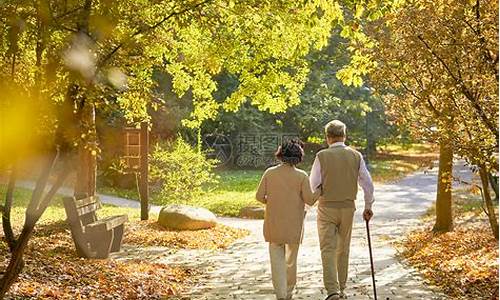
[334, 296]
[342, 295]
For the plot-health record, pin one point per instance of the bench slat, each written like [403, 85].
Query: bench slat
[108, 223]
[86, 201]
[88, 209]
[93, 238]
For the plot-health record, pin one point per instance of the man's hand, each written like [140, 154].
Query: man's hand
[367, 214]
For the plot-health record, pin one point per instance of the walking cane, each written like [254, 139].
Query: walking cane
[371, 259]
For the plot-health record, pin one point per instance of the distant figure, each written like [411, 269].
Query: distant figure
[285, 190]
[336, 172]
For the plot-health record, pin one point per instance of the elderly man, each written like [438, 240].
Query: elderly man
[337, 171]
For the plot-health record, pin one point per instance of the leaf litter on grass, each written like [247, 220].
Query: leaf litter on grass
[463, 263]
[53, 271]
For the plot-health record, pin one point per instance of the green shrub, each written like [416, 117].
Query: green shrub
[179, 172]
[116, 174]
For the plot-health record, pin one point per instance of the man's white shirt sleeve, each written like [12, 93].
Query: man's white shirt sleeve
[366, 183]
[315, 178]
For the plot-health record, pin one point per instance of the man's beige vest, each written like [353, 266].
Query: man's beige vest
[339, 176]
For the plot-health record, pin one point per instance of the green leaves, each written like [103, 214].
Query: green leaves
[263, 44]
[359, 66]
[180, 172]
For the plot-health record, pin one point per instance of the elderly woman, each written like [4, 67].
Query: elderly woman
[285, 190]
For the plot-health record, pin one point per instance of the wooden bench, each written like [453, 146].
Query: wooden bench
[93, 238]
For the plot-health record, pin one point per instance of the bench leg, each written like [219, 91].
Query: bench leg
[117, 238]
[101, 243]
[83, 251]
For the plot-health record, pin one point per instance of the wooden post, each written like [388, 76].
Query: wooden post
[143, 171]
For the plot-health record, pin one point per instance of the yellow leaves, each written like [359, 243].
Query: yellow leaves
[423, 48]
[358, 12]
[149, 233]
[462, 263]
[475, 189]
[103, 25]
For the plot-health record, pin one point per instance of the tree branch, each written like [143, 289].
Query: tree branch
[42, 206]
[108, 56]
[41, 183]
[56, 19]
[463, 87]
[482, 40]
[414, 94]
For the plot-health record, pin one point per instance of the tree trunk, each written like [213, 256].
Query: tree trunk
[371, 141]
[494, 184]
[86, 170]
[444, 216]
[6, 222]
[487, 201]
[34, 211]
[371, 146]
[16, 262]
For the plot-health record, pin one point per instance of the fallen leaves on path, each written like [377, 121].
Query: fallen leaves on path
[150, 233]
[463, 263]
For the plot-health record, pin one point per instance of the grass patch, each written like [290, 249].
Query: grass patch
[119, 192]
[236, 188]
[394, 162]
[463, 263]
[387, 170]
[137, 232]
[465, 200]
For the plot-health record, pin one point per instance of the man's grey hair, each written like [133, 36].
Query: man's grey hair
[335, 129]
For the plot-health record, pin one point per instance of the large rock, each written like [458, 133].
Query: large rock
[185, 217]
[252, 212]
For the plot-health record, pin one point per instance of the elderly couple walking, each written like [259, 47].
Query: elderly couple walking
[286, 190]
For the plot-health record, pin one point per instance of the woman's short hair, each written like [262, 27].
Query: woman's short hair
[291, 151]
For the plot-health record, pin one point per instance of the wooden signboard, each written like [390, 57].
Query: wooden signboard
[136, 158]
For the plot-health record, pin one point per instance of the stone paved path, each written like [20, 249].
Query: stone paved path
[243, 272]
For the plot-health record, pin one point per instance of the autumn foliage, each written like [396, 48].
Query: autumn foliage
[463, 263]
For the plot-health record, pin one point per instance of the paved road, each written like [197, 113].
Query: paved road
[108, 199]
